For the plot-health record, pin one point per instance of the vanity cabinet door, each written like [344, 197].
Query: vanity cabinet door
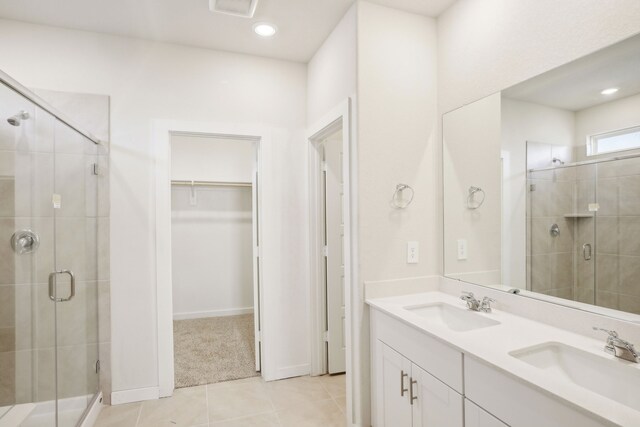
[475, 416]
[435, 404]
[392, 388]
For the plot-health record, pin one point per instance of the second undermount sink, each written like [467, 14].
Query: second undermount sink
[610, 378]
[454, 318]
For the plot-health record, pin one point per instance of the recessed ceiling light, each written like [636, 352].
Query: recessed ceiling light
[264, 29]
[610, 91]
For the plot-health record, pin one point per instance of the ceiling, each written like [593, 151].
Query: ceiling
[577, 85]
[302, 24]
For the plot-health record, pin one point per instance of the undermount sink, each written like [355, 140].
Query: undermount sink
[454, 318]
[610, 378]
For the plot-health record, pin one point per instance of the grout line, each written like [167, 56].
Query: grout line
[242, 417]
[139, 413]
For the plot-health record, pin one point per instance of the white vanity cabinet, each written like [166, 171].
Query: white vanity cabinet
[517, 403]
[415, 377]
[410, 396]
[424, 373]
[475, 416]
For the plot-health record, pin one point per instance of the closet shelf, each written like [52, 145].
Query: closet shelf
[212, 183]
[578, 215]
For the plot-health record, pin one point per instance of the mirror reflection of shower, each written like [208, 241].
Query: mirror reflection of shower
[16, 119]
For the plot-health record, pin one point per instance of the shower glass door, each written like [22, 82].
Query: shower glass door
[561, 232]
[48, 328]
[27, 316]
[74, 281]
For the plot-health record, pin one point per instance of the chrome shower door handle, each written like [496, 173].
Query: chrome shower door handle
[53, 291]
[586, 251]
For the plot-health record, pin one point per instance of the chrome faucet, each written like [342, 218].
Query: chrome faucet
[618, 347]
[476, 305]
[485, 305]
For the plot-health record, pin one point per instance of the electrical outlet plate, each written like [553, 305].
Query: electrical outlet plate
[413, 252]
[462, 249]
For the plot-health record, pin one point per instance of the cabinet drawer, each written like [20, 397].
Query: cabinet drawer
[475, 416]
[516, 403]
[435, 357]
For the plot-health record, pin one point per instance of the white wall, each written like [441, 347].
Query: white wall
[485, 46]
[522, 122]
[212, 252]
[211, 239]
[149, 81]
[397, 143]
[212, 159]
[331, 75]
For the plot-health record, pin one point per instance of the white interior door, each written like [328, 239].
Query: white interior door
[334, 259]
[256, 267]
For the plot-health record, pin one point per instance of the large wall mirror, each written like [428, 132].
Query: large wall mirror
[542, 185]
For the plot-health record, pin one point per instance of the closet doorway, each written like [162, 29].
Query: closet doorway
[214, 258]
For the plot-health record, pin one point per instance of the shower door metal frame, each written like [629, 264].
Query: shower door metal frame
[13, 84]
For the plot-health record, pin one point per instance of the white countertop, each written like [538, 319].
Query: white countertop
[493, 344]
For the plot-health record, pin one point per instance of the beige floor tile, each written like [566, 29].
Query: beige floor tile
[324, 413]
[336, 385]
[295, 391]
[238, 400]
[341, 401]
[186, 408]
[251, 380]
[119, 415]
[262, 420]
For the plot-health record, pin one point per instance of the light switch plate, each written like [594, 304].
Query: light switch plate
[413, 252]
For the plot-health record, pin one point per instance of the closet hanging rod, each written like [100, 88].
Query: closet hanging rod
[212, 183]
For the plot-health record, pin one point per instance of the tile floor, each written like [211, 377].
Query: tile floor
[295, 402]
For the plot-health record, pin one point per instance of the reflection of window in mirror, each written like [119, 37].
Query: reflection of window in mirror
[610, 142]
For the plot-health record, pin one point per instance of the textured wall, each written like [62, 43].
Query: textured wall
[488, 45]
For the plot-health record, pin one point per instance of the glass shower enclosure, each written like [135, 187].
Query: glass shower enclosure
[583, 237]
[48, 264]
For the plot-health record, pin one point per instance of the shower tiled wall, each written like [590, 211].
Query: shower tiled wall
[558, 265]
[550, 260]
[618, 235]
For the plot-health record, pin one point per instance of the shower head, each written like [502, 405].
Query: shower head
[18, 118]
[557, 160]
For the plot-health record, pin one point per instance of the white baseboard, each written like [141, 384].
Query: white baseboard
[134, 395]
[212, 313]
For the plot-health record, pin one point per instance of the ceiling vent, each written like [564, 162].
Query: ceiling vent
[244, 8]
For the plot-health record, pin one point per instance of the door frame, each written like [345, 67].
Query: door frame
[162, 130]
[338, 117]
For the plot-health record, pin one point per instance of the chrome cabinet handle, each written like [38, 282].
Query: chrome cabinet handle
[586, 256]
[411, 395]
[53, 289]
[402, 389]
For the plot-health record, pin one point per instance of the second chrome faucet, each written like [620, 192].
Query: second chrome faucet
[475, 304]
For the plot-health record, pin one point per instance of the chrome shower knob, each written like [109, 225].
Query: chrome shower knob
[24, 241]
